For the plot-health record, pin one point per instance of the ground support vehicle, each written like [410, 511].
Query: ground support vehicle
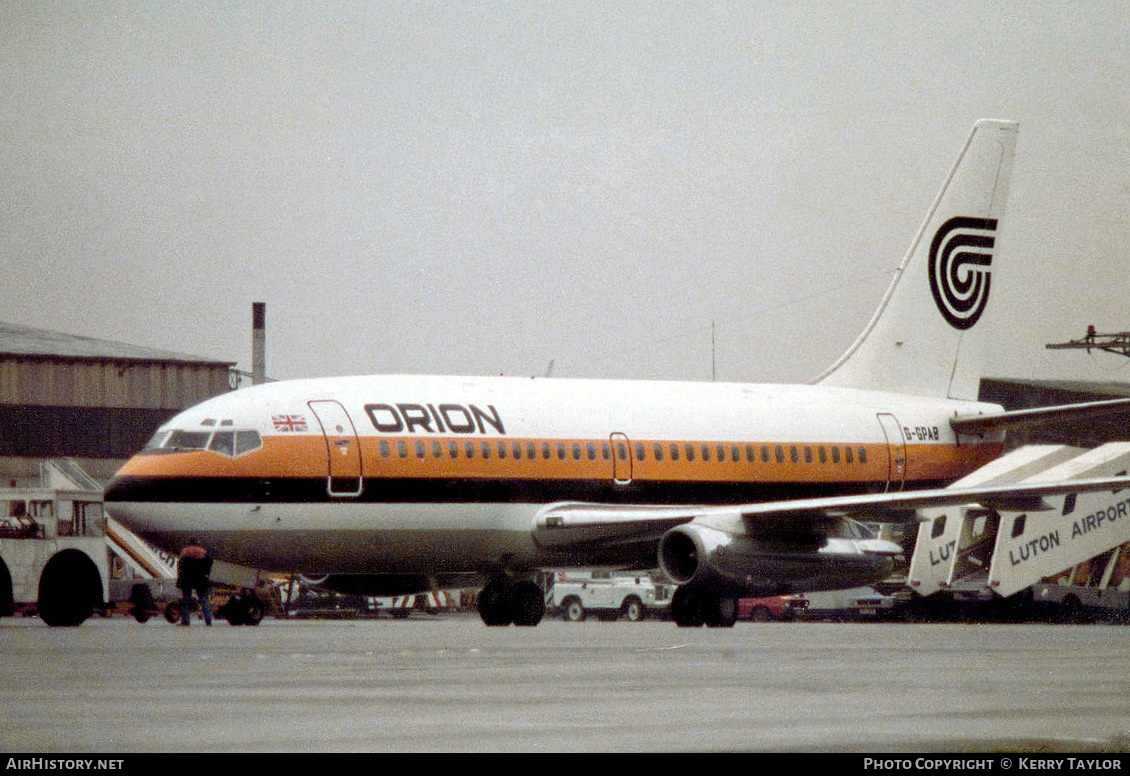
[857, 603]
[1064, 559]
[606, 594]
[779, 608]
[53, 556]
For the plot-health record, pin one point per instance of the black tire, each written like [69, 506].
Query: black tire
[760, 614]
[573, 610]
[633, 610]
[69, 589]
[172, 612]
[720, 612]
[495, 607]
[7, 600]
[527, 604]
[686, 609]
[143, 604]
[1073, 611]
[253, 611]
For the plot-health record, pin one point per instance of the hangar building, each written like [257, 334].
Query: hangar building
[97, 402]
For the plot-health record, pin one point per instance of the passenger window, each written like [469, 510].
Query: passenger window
[502, 450]
[863, 455]
[437, 450]
[402, 448]
[658, 452]
[385, 452]
[469, 450]
[807, 454]
[605, 452]
[421, 449]
[453, 450]
[531, 451]
[486, 450]
[561, 451]
[690, 453]
[576, 451]
[674, 452]
[545, 451]
[848, 455]
[794, 454]
[835, 454]
[590, 450]
[823, 454]
[641, 452]
[516, 449]
[779, 453]
[706, 452]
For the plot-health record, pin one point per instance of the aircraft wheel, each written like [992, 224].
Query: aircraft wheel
[720, 612]
[172, 612]
[495, 606]
[527, 604]
[686, 609]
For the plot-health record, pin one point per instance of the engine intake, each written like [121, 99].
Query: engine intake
[738, 564]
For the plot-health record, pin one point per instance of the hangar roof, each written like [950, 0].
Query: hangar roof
[16, 340]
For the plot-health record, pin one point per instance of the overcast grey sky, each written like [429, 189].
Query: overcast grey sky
[486, 187]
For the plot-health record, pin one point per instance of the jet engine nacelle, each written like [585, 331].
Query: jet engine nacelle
[710, 558]
[736, 565]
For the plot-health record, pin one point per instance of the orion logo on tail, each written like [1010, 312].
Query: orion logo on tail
[960, 256]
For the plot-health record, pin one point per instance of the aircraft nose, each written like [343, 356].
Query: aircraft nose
[117, 490]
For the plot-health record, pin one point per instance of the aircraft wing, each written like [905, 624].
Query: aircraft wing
[1061, 420]
[573, 524]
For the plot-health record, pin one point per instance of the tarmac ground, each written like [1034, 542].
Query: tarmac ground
[451, 684]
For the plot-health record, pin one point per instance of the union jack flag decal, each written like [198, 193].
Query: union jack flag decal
[286, 423]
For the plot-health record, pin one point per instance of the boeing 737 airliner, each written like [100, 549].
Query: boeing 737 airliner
[395, 484]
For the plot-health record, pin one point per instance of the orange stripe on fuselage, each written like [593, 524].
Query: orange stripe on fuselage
[303, 456]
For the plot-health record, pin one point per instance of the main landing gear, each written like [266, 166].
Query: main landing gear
[691, 609]
[504, 601]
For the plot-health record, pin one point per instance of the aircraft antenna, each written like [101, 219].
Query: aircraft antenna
[1117, 343]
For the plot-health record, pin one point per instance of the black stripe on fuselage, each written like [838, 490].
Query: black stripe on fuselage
[450, 491]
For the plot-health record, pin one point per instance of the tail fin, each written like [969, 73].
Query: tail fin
[928, 336]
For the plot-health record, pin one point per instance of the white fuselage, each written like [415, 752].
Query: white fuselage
[445, 475]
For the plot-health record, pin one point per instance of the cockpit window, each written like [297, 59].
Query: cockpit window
[188, 440]
[226, 442]
[157, 440]
[223, 442]
[247, 441]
